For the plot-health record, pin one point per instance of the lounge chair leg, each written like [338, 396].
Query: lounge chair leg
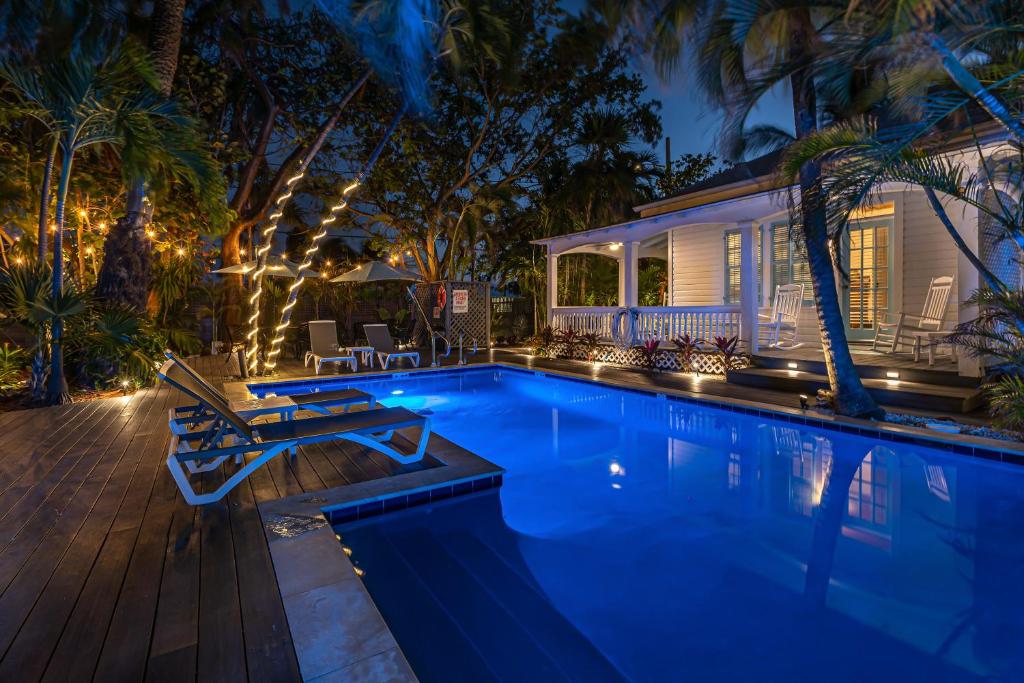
[193, 498]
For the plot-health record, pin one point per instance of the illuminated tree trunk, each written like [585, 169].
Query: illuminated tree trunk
[230, 248]
[849, 395]
[293, 290]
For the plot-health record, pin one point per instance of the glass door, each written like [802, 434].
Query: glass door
[868, 261]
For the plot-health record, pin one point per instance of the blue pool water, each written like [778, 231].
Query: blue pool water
[639, 538]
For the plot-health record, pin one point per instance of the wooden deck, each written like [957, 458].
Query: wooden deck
[106, 574]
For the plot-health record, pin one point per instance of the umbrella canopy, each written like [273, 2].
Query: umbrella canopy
[276, 267]
[375, 271]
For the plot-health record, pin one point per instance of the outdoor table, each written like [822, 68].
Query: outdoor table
[282, 406]
[366, 352]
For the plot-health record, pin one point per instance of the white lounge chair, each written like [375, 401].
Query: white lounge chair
[380, 339]
[926, 329]
[318, 401]
[371, 428]
[323, 346]
[782, 322]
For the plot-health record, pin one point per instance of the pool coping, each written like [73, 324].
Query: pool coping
[1010, 452]
[317, 580]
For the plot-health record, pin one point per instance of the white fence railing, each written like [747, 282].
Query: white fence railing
[664, 322]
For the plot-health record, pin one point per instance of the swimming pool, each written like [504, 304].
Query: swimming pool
[643, 538]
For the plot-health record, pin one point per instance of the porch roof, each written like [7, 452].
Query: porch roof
[604, 240]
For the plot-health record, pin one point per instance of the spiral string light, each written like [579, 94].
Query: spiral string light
[266, 242]
[307, 263]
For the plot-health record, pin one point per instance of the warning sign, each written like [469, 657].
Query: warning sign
[460, 301]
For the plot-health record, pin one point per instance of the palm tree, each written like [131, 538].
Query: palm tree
[97, 96]
[745, 49]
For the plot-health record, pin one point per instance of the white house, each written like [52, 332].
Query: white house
[728, 247]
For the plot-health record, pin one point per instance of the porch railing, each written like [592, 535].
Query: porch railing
[665, 322]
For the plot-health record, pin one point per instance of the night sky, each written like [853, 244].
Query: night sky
[687, 118]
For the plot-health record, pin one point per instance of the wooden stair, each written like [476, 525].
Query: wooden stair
[921, 389]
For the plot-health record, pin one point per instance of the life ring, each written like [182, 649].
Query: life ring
[442, 297]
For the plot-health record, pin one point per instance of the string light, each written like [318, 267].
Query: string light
[89, 250]
[266, 241]
[19, 260]
[181, 252]
[103, 225]
[82, 213]
[150, 234]
[307, 263]
[314, 246]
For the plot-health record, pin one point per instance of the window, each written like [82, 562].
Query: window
[733, 259]
[789, 261]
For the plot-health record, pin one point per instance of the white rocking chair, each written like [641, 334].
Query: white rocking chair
[927, 328]
[782, 323]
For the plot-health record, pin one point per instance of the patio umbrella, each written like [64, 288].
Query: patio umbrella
[276, 267]
[376, 271]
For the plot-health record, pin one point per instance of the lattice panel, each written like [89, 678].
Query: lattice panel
[475, 323]
[706, 363]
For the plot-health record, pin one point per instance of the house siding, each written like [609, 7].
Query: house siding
[928, 252]
[698, 273]
[697, 257]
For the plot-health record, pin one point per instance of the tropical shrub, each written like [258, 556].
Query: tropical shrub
[997, 334]
[650, 352]
[12, 365]
[111, 344]
[543, 341]
[688, 347]
[1006, 402]
[726, 348]
[590, 342]
[569, 339]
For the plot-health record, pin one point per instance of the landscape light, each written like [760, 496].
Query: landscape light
[892, 374]
[151, 234]
[181, 252]
[792, 366]
[89, 250]
[804, 405]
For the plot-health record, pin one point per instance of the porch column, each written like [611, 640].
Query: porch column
[749, 296]
[552, 287]
[629, 263]
[967, 281]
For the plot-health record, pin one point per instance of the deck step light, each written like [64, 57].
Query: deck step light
[892, 374]
[791, 365]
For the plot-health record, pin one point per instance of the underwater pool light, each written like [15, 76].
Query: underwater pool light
[397, 392]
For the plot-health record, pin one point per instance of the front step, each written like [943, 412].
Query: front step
[921, 375]
[898, 393]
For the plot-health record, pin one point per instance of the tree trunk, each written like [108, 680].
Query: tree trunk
[293, 291]
[44, 201]
[57, 389]
[828, 522]
[127, 256]
[127, 252]
[849, 395]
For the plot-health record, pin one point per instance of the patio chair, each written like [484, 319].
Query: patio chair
[316, 401]
[323, 346]
[373, 429]
[928, 328]
[782, 322]
[380, 339]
